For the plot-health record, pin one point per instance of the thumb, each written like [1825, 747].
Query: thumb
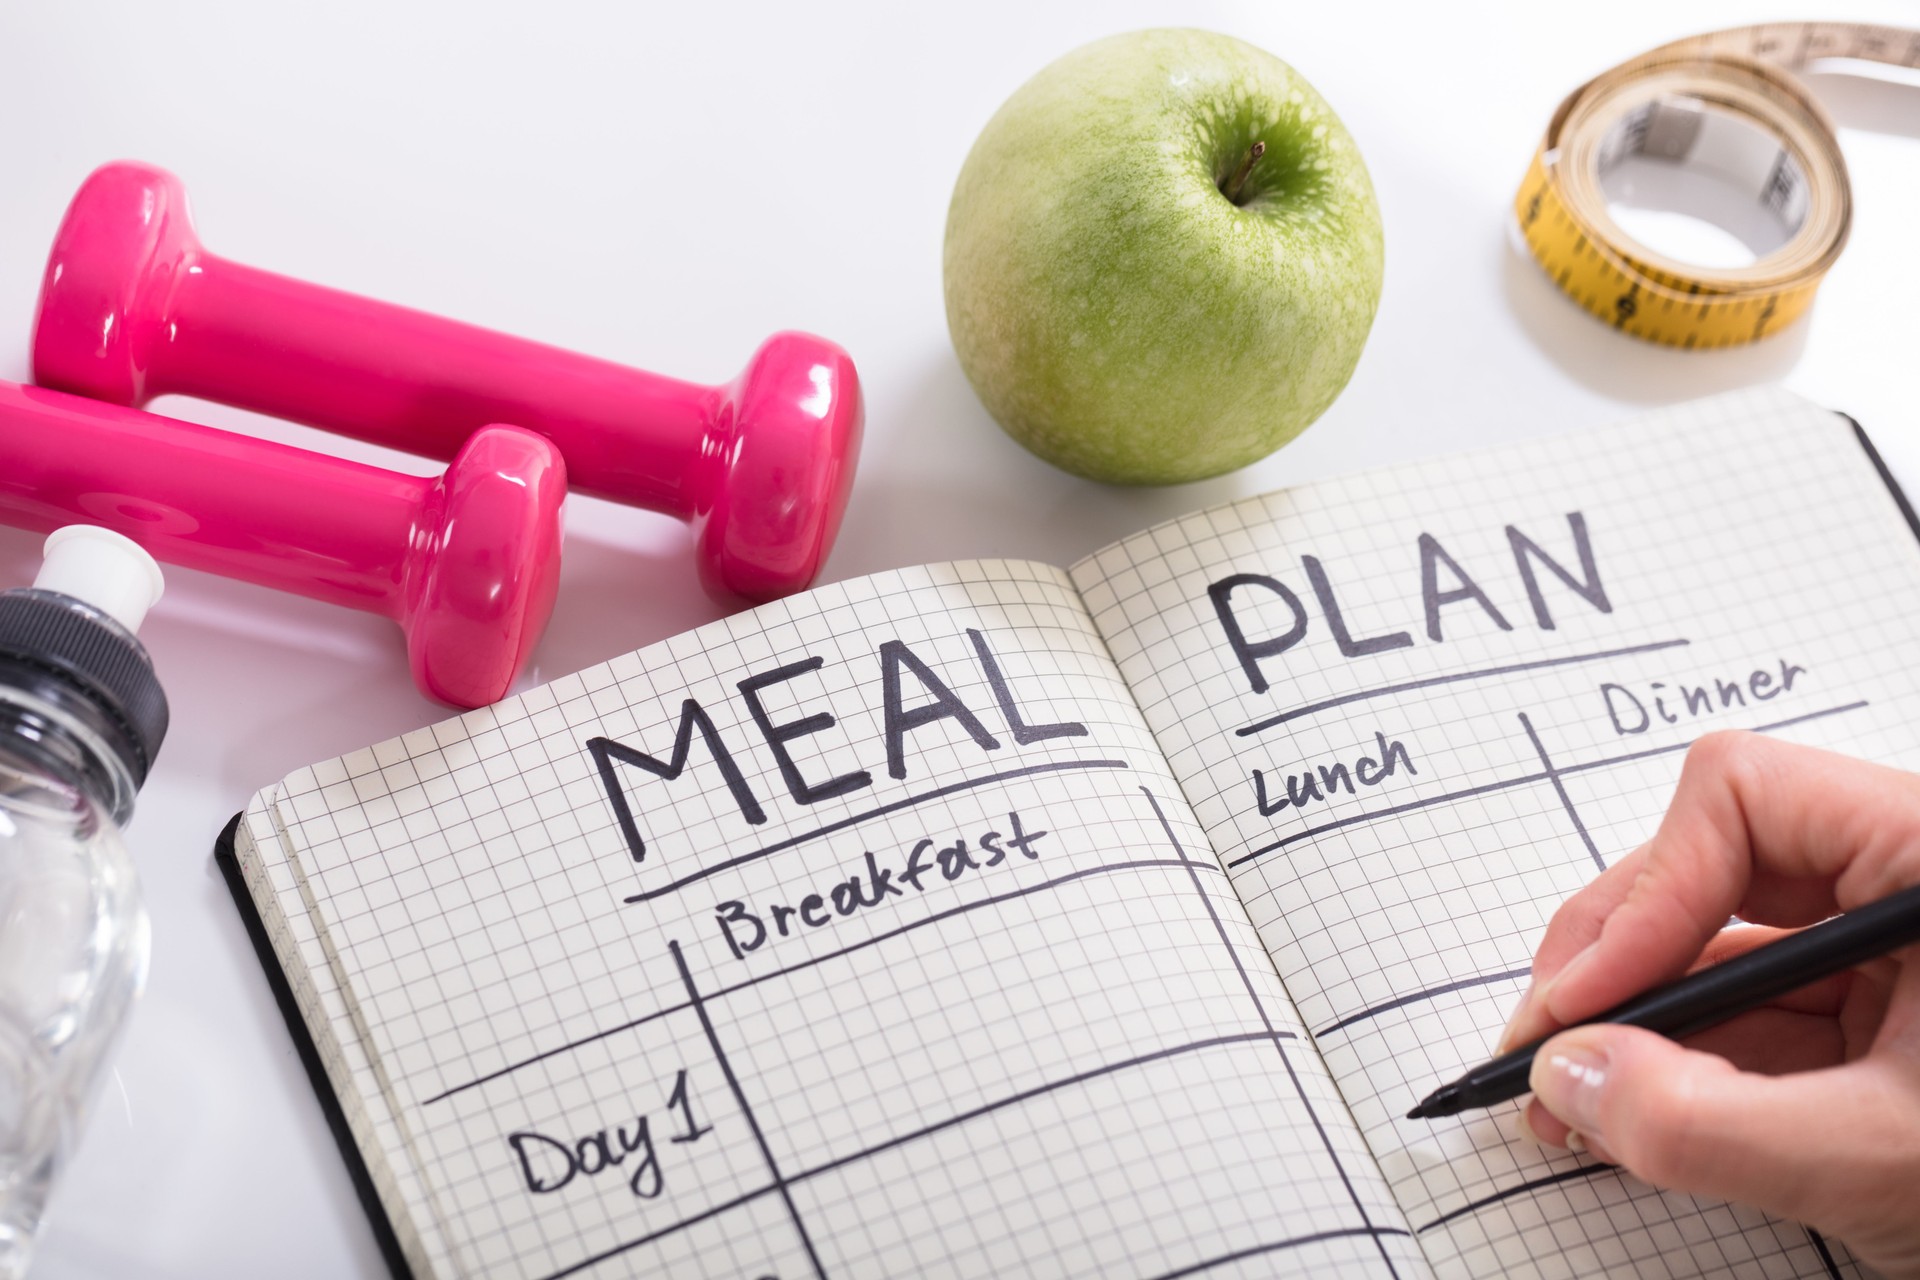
[1817, 1146]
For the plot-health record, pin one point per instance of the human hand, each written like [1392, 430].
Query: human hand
[1807, 1108]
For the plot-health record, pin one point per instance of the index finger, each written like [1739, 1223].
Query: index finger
[1572, 930]
[1775, 833]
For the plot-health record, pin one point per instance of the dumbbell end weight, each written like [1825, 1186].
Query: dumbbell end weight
[787, 434]
[481, 591]
[126, 243]
[466, 561]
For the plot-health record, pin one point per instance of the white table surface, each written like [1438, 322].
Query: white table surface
[666, 185]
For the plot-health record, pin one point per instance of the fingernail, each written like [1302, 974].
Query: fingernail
[1568, 1079]
[1531, 1134]
[1508, 1037]
[1576, 1142]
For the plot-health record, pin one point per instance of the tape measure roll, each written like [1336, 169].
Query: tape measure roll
[1687, 102]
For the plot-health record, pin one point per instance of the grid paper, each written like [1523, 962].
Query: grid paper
[1730, 536]
[1076, 1062]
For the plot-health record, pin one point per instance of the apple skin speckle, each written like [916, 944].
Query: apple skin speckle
[1115, 312]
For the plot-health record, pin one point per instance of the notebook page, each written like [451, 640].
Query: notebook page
[938, 980]
[278, 888]
[1405, 804]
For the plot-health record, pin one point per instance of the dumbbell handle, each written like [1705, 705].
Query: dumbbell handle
[202, 498]
[267, 342]
[132, 305]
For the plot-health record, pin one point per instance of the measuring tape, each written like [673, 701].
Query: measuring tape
[1680, 102]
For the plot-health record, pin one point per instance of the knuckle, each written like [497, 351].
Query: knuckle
[1571, 920]
[1731, 754]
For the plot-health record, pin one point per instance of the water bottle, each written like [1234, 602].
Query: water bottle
[81, 716]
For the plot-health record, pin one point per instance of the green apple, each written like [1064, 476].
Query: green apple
[1163, 257]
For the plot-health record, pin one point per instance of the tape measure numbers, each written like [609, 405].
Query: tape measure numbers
[1726, 101]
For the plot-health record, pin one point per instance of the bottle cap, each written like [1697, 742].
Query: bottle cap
[107, 570]
[69, 639]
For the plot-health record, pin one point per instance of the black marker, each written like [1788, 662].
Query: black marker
[1712, 996]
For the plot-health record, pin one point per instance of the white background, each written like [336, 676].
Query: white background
[666, 185]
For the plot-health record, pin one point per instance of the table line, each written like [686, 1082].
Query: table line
[937, 917]
[1560, 789]
[1826, 1255]
[1260, 1007]
[628, 1246]
[842, 824]
[1261, 726]
[1040, 1090]
[1275, 1246]
[1484, 980]
[974, 1113]
[1374, 815]
[1759, 728]
[1505, 784]
[1588, 1171]
[1532, 1184]
[746, 1109]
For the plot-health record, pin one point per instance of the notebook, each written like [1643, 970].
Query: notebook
[992, 918]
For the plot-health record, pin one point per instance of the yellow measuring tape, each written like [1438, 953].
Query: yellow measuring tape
[1674, 103]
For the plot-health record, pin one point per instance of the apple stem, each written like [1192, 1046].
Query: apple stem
[1232, 189]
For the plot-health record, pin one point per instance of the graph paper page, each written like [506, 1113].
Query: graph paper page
[862, 934]
[1416, 709]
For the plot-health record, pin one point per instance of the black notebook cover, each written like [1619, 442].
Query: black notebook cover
[310, 1055]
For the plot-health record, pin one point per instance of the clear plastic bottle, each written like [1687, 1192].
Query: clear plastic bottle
[81, 716]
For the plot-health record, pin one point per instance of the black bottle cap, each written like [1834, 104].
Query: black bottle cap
[71, 654]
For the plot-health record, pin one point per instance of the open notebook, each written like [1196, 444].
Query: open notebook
[990, 919]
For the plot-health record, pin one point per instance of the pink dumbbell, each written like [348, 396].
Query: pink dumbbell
[466, 562]
[132, 307]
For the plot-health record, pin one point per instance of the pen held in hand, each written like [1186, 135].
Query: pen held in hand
[1711, 996]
